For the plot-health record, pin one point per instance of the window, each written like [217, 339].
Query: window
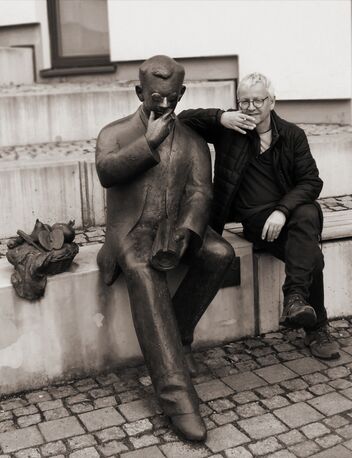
[78, 32]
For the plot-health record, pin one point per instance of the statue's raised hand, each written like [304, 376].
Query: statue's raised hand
[158, 129]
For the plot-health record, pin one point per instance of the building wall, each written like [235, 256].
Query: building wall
[19, 13]
[305, 46]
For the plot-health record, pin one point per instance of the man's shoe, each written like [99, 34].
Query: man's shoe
[297, 313]
[321, 343]
[190, 361]
[190, 426]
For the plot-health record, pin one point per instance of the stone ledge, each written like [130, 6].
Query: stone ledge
[70, 112]
[81, 326]
[337, 223]
[337, 283]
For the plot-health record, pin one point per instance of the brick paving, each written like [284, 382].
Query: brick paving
[295, 407]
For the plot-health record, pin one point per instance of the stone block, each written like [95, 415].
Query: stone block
[339, 451]
[244, 381]
[82, 326]
[112, 448]
[145, 452]
[50, 192]
[179, 449]
[137, 427]
[144, 441]
[298, 414]
[101, 418]
[262, 426]
[212, 390]
[89, 452]
[265, 446]
[225, 437]
[333, 148]
[276, 373]
[16, 65]
[331, 403]
[304, 366]
[337, 284]
[138, 410]
[61, 429]
[12, 441]
[83, 441]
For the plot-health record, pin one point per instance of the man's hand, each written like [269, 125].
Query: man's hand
[158, 129]
[182, 236]
[236, 120]
[273, 226]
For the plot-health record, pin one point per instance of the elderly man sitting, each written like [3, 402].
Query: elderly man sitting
[267, 179]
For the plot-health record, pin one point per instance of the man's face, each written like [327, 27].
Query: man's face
[160, 95]
[256, 92]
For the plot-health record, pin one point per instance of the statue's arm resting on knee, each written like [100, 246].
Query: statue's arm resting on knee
[120, 160]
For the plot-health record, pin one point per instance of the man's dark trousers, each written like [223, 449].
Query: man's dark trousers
[297, 246]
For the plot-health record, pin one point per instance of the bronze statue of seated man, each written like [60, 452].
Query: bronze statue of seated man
[157, 173]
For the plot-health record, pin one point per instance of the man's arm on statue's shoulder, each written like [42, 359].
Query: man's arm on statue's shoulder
[122, 154]
[307, 183]
[195, 208]
[206, 122]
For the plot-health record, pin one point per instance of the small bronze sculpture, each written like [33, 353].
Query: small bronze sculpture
[158, 178]
[48, 250]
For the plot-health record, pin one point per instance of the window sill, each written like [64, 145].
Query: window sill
[69, 71]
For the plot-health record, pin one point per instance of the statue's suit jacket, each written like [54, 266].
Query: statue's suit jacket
[126, 167]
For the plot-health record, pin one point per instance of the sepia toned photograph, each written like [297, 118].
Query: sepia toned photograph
[176, 228]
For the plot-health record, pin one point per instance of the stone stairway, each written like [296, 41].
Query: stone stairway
[47, 171]
[57, 180]
[44, 113]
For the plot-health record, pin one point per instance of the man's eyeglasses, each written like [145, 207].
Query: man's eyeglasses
[258, 103]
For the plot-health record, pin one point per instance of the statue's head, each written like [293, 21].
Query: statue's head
[161, 84]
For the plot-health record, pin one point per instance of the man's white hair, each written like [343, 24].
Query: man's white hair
[254, 78]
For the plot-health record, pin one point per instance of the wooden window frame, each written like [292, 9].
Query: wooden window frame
[58, 61]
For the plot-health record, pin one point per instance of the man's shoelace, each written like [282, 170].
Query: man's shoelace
[323, 335]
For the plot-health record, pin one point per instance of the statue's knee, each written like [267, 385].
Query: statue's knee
[222, 252]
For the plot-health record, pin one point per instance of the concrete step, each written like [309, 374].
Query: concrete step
[81, 326]
[58, 181]
[68, 112]
[333, 154]
[17, 65]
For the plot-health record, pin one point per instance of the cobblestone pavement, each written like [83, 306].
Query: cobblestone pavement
[262, 396]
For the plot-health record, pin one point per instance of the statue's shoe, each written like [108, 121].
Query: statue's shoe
[189, 426]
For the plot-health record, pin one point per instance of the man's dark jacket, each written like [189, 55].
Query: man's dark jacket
[294, 167]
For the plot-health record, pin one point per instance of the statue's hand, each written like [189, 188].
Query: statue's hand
[158, 129]
[236, 120]
[182, 236]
